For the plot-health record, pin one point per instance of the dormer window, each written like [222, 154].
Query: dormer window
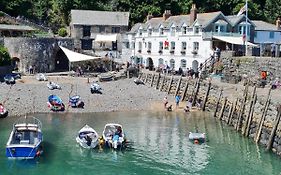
[149, 32]
[173, 30]
[196, 29]
[140, 32]
[161, 31]
[183, 46]
[242, 28]
[219, 28]
[184, 30]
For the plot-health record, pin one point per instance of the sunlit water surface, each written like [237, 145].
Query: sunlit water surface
[159, 145]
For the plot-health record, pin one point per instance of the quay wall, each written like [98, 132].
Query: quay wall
[250, 111]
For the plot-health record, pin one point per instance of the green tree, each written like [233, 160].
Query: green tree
[5, 58]
[272, 10]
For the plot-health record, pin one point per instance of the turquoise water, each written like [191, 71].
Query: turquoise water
[160, 146]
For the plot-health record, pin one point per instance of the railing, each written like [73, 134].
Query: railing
[206, 35]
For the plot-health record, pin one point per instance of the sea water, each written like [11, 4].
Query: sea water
[159, 145]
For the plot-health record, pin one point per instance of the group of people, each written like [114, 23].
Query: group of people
[188, 106]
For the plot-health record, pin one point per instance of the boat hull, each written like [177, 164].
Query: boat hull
[23, 152]
[83, 143]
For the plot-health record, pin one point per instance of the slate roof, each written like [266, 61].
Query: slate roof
[90, 17]
[262, 25]
[205, 19]
[16, 27]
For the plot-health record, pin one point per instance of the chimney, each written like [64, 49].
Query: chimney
[193, 14]
[278, 23]
[149, 16]
[167, 14]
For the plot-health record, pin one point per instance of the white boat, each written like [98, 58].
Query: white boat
[25, 139]
[96, 88]
[41, 77]
[138, 81]
[52, 86]
[87, 137]
[113, 135]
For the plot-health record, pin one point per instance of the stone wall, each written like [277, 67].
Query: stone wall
[40, 53]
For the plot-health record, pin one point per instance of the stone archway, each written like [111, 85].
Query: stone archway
[195, 65]
[15, 63]
[149, 63]
[61, 61]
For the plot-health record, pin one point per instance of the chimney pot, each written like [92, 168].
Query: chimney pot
[149, 16]
[193, 14]
[167, 14]
[278, 23]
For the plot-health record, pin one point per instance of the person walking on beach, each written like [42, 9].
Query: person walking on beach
[177, 101]
[165, 102]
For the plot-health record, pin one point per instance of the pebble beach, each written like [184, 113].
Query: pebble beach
[29, 95]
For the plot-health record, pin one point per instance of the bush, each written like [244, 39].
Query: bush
[5, 58]
[62, 32]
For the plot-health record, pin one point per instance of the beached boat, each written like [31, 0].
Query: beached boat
[106, 77]
[52, 86]
[41, 77]
[113, 135]
[25, 139]
[138, 81]
[96, 88]
[76, 102]
[3, 111]
[55, 103]
[87, 137]
[197, 137]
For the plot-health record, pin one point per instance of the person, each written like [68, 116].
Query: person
[88, 139]
[118, 131]
[177, 100]
[165, 101]
[30, 69]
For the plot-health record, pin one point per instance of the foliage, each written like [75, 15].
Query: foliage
[56, 13]
[5, 58]
[62, 32]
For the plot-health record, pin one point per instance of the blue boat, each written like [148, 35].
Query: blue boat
[76, 102]
[25, 139]
[55, 103]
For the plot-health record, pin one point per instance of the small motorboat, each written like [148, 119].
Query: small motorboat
[52, 86]
[197, 137]
[87, 137]
[55, 103]
[106, 77]
[138, 81]
[76, 102]
[114, 136]
[41, 77]
[3, 111]
[95, 88]
[25, 139]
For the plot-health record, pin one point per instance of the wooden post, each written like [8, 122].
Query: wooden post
[250, 117]
[184, 91]
[178, 86]
[206, 96]
[162, 84]
[157, 81]
[250, 111]
[146, 77]
[273, 131]
[258, 133]
[223, 107]
[197, 87]
[170, 85]
[217, 105]
[152, 79]
[240, 116]
[231, 111]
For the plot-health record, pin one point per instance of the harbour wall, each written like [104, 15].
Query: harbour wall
[254, 114]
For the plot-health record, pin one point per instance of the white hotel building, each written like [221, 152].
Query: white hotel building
[187, 40]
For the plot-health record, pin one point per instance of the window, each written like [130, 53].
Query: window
[184, 30]
[149, 32]
[195, 46]
[101, 29]
[102, 44]
[127, 45]
[140, 45]
[161, 45]
[140, 32]
[183, 63]
[149, 45]
[183, 46]
[255, 35]
[86, 44]
[161, 31]
[173, 45]
[172, 63]
[196, 30]
[86, 31]
[115, 29]
[173, 31]
[219, 28]
[160, 62]
[271, 35]
[242, 29]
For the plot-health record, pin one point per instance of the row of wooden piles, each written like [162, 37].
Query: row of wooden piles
[245, 112]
